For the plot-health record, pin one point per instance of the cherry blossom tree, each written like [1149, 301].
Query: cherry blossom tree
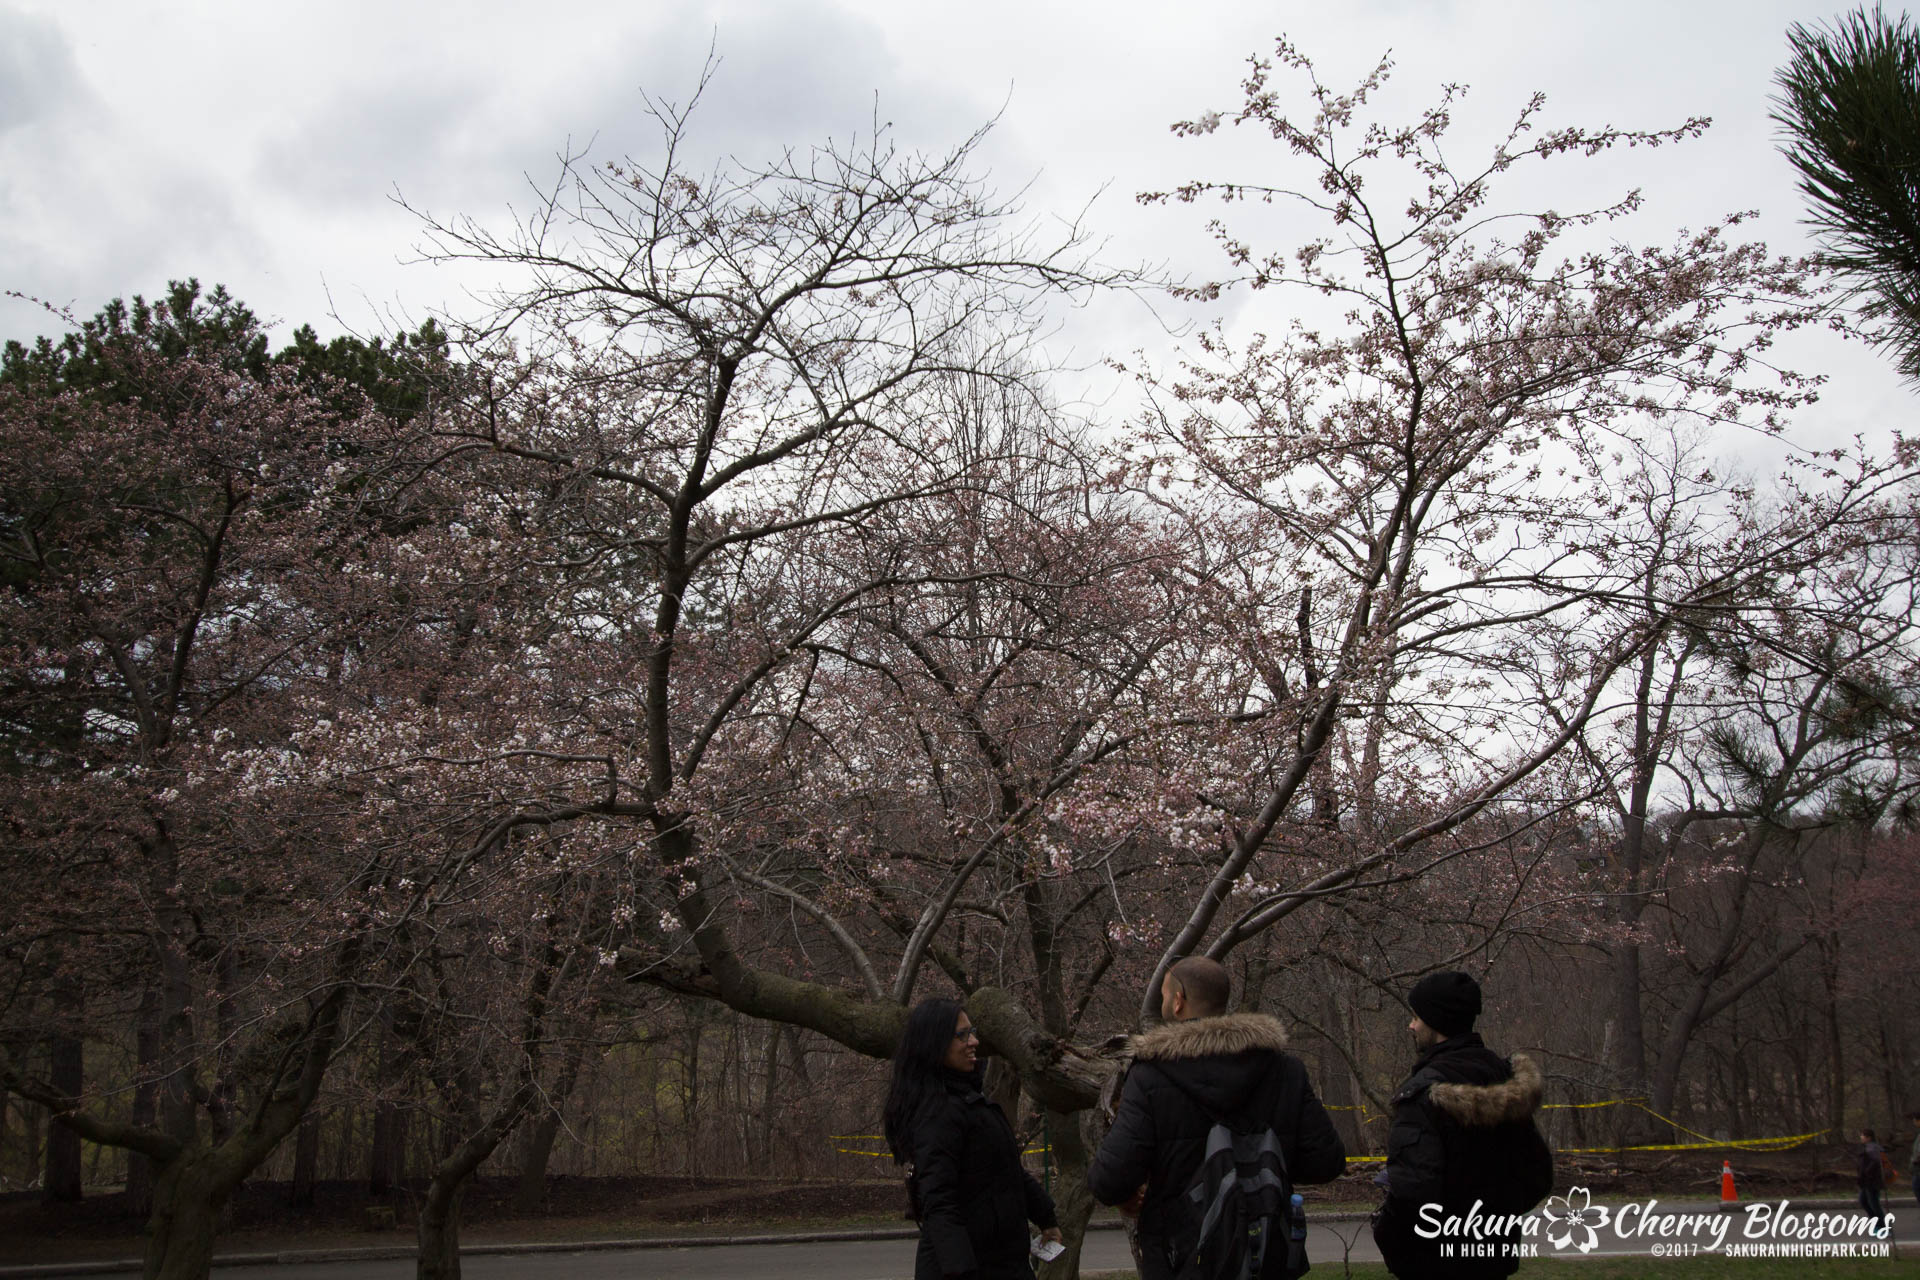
[1801, 722]
[1424, 556]
[179, 523]
[1402, 576]
[740, 617]
[735, 399]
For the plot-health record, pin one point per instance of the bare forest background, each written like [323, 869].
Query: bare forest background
[566, 742]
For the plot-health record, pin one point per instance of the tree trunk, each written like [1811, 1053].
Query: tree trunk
[768, 1095]
[439, 1257]
[306, 1161]
[196, 1179]
[532, 1191]
[195, 1185]
[67, 1074]
[1836, 1053]
[35, 1119]
[690, 1098]
[193, 1189]
[220, 1117]
[1071, 1199]
[1739, 1091]
[802, 1148]
[1700, 1003]
[180, 1232]
[1889, 1072]
[1630, 1036]
[146, 1101]
[179, 1112]
[1652, 718]
[384, 1164]
[1337, 1075]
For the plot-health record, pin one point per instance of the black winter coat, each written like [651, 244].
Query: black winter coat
[1235, 1064]
[973, 1196]
[1462, 1131]
[1871, 1172]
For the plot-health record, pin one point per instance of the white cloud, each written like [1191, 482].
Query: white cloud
[258, 145]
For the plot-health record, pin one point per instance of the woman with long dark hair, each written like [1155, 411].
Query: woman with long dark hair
[969, 1192]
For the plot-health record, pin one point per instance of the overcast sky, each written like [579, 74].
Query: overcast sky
[261, 144]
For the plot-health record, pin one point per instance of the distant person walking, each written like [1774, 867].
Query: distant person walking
[966, 1186]
[1873, 1179]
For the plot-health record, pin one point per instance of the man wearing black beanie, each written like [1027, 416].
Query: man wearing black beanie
[1463, 1143]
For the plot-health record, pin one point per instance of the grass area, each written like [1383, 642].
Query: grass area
[1715, 1268]
[1702, 1268]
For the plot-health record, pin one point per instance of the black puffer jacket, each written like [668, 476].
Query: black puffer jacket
[973, 1195]
[1462, 1131]
[1234, 1064]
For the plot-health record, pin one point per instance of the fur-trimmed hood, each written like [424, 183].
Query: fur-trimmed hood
[1485, 1105]
[1187, 1078]
[1208, 1037]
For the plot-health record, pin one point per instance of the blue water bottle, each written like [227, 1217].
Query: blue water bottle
[1296, 1233]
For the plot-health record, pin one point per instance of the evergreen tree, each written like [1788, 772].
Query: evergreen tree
[1849, 104]
[399, 376]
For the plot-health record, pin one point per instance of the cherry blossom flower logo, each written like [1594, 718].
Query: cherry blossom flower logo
[1574, 1219]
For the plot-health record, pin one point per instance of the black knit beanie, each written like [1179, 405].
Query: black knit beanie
[1447, 1002]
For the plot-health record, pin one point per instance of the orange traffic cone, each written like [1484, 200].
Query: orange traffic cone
[1727, 1194]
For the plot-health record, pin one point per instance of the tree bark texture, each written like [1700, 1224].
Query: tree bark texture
[1071, 1153]
[306, 1161]
[67, 1074]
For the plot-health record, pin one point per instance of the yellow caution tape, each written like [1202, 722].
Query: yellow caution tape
[888, 1155]
[1550, 1106]
[1706, 1143]
[1718, 1144]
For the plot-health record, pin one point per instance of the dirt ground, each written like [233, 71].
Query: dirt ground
[1804, 1171]
[607, 1208]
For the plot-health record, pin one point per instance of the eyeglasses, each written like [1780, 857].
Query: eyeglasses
[968, 1034]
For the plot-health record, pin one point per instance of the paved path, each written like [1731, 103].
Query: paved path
[893, 1259]
[835, 1260]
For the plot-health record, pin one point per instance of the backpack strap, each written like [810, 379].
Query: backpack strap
[1255, 1139]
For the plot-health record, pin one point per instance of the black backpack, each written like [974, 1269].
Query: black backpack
[1243, 1199]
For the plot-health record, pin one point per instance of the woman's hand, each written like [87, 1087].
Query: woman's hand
[1051, 1235]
